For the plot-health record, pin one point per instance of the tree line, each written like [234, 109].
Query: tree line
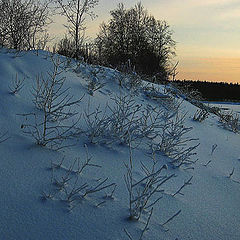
[132, 37]
[212, 91]
[132, 40]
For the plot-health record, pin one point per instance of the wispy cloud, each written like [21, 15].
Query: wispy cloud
[231, 14]
[215, 2]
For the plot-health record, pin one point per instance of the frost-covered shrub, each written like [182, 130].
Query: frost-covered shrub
[93, 82]
[230, 121]
[200, 115]
[69, 185]
[143, 193]
[96, 124]
[124, 118]
[165, 99]
[49, 125]
[207, 107]
[131, 80]
[116, 125]
[134, 81]
[125, 121]
[174, 140]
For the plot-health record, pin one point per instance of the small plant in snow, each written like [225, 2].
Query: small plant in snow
[214, 147]
[49, 125]
[134, 82]
[200, 115]
[93, 82]
[164, 99]
[208, 162]
[142, 193]
[71, 187]
[187, 183]
[124, 118]
[121, 78]
[146, 227]
[170, 219]
[151, 123]
[144, 230]
[97, 123]
[17, 85]
[174, 142]
[230, 121]
[121, 121]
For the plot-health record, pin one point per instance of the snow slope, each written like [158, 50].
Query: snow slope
[210, 207]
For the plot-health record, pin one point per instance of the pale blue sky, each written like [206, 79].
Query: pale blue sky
[206, 31]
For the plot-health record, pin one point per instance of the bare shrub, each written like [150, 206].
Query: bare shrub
[128, 122]
[186, 183]
[71, 187]
[94, 83]
[49, 126]
[174, 141]
[144, 230]
[96, 124]
[200, 115]
[124, 118]
[121, 79]
[230, 121]
[17, 84]
[123, 122]
[134, 82]
[142, 193]
[116, 126]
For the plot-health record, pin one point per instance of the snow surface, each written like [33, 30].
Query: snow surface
[210, 207]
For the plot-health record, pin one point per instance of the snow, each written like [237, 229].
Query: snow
[209, 207]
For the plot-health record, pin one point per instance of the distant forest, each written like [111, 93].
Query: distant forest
[212, 91]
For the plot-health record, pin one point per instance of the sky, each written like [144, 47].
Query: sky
[207, 33]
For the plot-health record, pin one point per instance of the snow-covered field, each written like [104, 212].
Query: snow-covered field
[226, 106]
[80, 191]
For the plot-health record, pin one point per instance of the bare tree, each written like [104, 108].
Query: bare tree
[23, 23]
[76, 12]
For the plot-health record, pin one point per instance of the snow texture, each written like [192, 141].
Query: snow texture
[210, 207]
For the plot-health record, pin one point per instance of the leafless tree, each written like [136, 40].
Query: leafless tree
[76, 12]
[23, 23]
[133, 34]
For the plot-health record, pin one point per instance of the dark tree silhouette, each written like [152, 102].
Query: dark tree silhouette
[76, 12]
[212, 91]
[133, 34]
[23, 23]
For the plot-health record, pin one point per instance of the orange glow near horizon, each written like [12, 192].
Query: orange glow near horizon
[210, 69]
[206, 31]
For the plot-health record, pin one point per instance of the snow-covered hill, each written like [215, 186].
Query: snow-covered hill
[79, 185]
